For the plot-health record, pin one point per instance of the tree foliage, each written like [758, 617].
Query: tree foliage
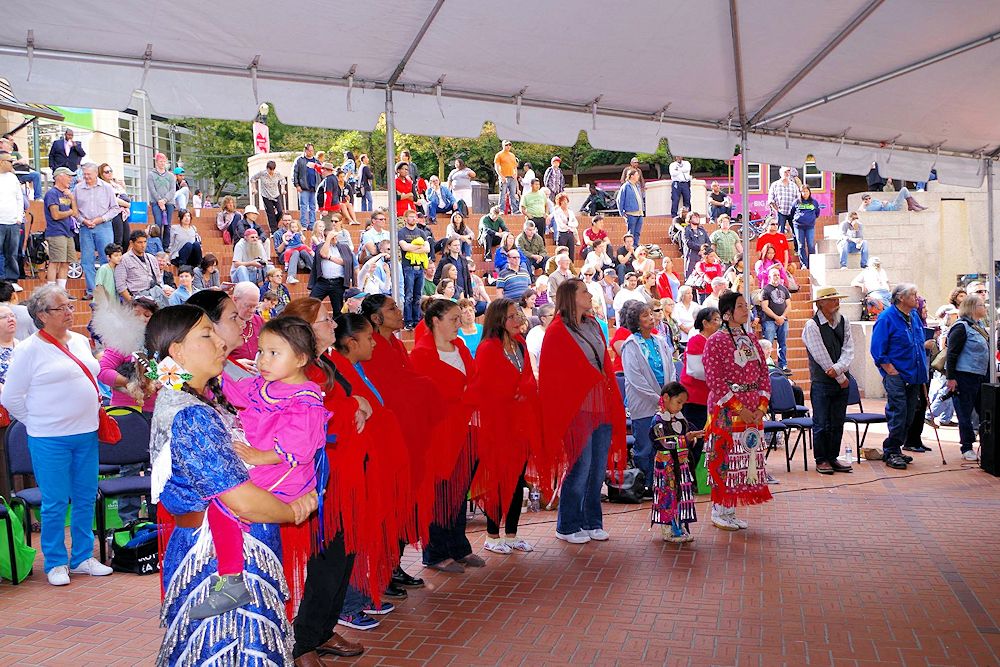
[221, 148]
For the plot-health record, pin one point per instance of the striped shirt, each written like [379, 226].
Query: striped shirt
[513, 283]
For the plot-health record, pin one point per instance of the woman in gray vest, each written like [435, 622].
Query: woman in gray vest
[827, 336]
[968, 367]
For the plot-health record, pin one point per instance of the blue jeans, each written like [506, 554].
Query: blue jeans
[783, 220]
[244, 274]
[679, 190]
[900, 406]
[772, 331]
[508, 186]
[829, 403]
[940, 407]
[366, 201]
[580, 498]
[642, 450]
[966, 403]
[413, 289]
[161, 219]
[10, 239]
[34, 178]
[354, 602]
[849, 247]
[93, 241]
[66, 471]
[307, 208]
[716, 211]
[433, 210]
[634, 225]
[807, 242]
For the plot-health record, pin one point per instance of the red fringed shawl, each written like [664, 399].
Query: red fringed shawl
[509, 425]
[577, 398]
[410, 396]
[448, 452]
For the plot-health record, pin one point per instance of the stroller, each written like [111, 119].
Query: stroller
[35, 256]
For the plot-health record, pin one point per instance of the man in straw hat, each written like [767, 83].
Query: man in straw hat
[827, 336]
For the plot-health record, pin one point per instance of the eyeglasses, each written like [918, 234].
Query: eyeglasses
[982, 291]
[106, 171]
[657, 310]
[68, 308]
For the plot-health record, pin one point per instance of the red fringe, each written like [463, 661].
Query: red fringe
[165, 521]
[722, 443]
[298, 544]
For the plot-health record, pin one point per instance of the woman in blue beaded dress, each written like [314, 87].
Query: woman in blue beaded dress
[194, 463]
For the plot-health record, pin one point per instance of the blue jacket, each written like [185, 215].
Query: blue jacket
[900, 344]
[629, 198]
[446, 200]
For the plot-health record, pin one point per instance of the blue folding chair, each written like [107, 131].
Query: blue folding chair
[783, 401]
[132, 448]
[861, 417]
[19, 464]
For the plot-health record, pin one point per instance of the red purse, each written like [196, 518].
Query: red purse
[107, 428]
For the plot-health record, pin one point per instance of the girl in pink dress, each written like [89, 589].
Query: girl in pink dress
[284, 420]
[739, 390]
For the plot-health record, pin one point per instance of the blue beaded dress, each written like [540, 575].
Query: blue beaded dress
[194, 440]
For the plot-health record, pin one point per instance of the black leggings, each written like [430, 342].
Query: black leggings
[327, 576]
[513, 514]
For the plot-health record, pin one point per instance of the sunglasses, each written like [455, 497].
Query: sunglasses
[982, 291]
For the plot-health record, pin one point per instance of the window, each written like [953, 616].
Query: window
[773, 173]
[133, 182]
[753, 177]
[812, 176]
[126, 131]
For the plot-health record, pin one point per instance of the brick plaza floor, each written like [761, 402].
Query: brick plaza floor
[880, 567]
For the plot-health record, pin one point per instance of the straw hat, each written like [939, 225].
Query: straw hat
[827, 293]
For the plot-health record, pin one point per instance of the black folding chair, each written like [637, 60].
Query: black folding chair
[782, 402]
[19, 464]
[861, 417]
[132, 448]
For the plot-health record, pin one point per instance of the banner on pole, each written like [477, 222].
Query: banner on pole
[261, 138]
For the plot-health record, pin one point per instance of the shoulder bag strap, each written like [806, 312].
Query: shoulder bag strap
[46, 336]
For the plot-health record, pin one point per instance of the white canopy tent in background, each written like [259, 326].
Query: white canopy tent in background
[909, 83]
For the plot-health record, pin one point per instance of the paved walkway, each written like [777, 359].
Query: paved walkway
[880, 567]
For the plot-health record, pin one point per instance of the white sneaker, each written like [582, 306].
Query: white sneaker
[970, 455]
[579, 537]
[93, 567]
[599, 534]
[292, 281]
[519, 545]
[58, 576]
[497, 546]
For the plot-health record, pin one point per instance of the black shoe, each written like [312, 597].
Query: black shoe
[647, 493]
[401, 578]
[394, 591]
[919, 449]
[895, 461]
[908, 459]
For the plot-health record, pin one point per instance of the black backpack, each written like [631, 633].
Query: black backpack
[135, 548]
[628, 489]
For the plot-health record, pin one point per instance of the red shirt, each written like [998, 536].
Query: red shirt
[404, 186]
[711, 271]
[697, 389]
[780, 243]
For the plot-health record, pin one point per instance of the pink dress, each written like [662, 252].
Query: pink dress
[288, 419]
[737, 378]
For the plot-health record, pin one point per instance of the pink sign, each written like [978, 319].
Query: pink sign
[261, 138]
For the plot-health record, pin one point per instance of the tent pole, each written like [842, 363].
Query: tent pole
[745, 207]
[390, 183]
[991, 278]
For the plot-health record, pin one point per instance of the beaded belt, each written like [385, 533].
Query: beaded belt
[737, 388]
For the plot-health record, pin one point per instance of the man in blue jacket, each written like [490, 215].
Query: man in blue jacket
[439, 200]
[898, 351]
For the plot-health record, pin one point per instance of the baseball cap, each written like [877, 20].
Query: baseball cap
[63, 170]
[876, 260]
[250, 231]
[556, 158]
[178, 170]
[355, 293]
[610, 272]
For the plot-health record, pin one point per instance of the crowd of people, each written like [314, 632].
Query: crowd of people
[286, 466]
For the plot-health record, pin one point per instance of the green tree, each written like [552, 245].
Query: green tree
[220, 151]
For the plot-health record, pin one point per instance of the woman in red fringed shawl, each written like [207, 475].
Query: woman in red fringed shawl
[509, 427]
[387, 515]
[738, 393]
[584, 411]
[444, 359]
[410, 396]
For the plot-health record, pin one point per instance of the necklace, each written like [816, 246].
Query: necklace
[244, 334]
[511, 353]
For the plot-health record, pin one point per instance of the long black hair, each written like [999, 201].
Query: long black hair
[172, 325]
[210, 301]
[371, 305]
[349, 325]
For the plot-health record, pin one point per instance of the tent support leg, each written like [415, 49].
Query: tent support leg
[390, 182]
[991, 277]
[745, 207]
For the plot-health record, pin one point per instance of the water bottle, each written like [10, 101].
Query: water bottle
[849, 453]
[534, 500]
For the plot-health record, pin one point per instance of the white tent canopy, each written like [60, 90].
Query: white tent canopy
[911, 84]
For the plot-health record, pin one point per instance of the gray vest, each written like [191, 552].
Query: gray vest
[833, 341]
